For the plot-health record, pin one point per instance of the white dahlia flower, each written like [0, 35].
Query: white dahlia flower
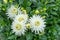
[37, 24]
[22, 18]
[12, 11]
[18, 28]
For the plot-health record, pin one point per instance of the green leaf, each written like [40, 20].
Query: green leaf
[12, 37]
[29, 36]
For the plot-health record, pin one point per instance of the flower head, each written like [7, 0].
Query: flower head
[22, 18]
[12, 11]
[18, 28]
[37, 24]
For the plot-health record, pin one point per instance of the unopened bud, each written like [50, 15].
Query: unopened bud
[37, 11]
[28, 25]
[5, 1]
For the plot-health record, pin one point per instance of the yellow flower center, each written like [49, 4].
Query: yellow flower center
[18, 26]
[20, 19]
[37, 23]
[14, 11]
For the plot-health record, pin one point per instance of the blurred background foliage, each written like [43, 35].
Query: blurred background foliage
[48, 9]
